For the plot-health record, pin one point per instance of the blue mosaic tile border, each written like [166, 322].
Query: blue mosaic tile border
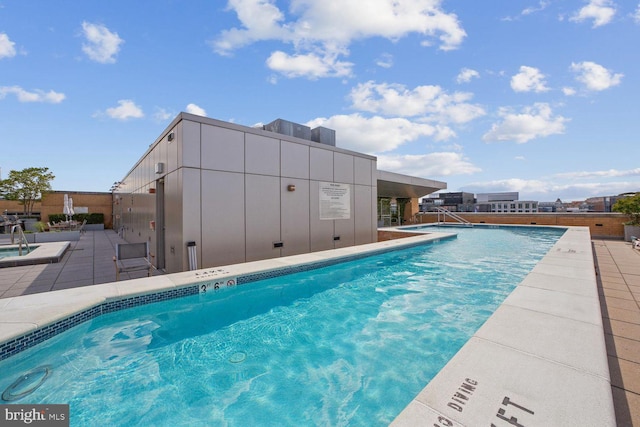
[320, 264]
[24, 342]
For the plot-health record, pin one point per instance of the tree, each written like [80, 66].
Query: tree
[28, 186]
[629, 205]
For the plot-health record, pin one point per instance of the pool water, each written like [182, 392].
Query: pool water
[11, 252]
[350, 344]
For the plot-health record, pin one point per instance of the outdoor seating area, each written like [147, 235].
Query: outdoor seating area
[7, 221]
[66, 225]
[132, 257]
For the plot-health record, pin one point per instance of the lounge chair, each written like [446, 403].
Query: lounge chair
[133, 257]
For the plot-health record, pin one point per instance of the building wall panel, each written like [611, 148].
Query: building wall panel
[294, 159]
[363, 218]
[262, 155]
[320, 164]
[295, 216]
[222, 149]
[321, 231]
[190, 144]
[223, 218]
[343, 168]
[262, 216]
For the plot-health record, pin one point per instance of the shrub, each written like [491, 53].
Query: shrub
[92, 218]
[629, 205]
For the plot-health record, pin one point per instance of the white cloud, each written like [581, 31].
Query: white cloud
[520, 158]
[101, 44]
[466, 74]
[385, 60]
[310, 65]
[428, 165]
[636, 15]
[431, 103]
[595, 76]
[528, 79]
[161, 114]
[533, 122]
[611, 173]
[125, 110]
[7, 47]
[568, 91]
[541, 6]
[509, 184]
[320, 31]
[377, 134]
[194, 109]
[547, 190]
[35, 96]
[600, 11]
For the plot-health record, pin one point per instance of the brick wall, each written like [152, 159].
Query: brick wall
[391, 235]
[601, 225]
[53, 203]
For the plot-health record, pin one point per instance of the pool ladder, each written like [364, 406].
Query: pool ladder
[22, 238]
[447, 213]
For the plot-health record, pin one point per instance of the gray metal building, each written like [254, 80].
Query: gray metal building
[244, 194]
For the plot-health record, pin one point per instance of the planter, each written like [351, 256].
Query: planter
[29, 224]
[631, 230]
[53, 236]
[94, 227]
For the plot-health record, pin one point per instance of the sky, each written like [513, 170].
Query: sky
[534, 96]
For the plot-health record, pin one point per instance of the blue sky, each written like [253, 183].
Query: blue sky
[539, 97]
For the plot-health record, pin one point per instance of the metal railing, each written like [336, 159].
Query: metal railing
[22, 238]
[446, 213]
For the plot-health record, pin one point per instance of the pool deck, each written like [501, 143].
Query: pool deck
[493, 378]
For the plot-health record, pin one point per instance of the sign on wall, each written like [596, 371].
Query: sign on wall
[335, 201]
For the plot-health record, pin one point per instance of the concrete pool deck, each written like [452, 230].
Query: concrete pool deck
[89, 262]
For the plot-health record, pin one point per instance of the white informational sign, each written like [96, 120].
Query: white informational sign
[335, 201]
[81, 209]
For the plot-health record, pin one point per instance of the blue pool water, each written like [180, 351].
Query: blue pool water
[10, 252]
[349, 344]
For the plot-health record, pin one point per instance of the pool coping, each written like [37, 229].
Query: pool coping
[539, 360]
[45, 253]
[513, 367]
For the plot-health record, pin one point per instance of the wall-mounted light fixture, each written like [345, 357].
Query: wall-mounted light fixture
[171, 136]
[159, 168]
[291, 187]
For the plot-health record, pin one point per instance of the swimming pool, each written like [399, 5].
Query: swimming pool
[329, 346]
[14, 251]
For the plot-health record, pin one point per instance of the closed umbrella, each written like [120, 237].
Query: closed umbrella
[65, 209]
[71, 212]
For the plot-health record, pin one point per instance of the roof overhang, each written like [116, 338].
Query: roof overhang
[392, 184]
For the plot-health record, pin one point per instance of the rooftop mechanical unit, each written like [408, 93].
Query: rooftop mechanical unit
[286, 127]
[320, 134]
[324, 135]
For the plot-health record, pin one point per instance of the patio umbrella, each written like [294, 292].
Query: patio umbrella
[65, 209]
[71, 212]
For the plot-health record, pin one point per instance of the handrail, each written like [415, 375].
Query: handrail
[22, 237]
[446, 213]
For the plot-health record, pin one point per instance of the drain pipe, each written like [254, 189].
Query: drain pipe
[193, 259]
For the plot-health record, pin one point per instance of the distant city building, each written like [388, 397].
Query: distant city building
[454, 202]
[497, 197]
[515, 206]
[505, 202]
[556, 206]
